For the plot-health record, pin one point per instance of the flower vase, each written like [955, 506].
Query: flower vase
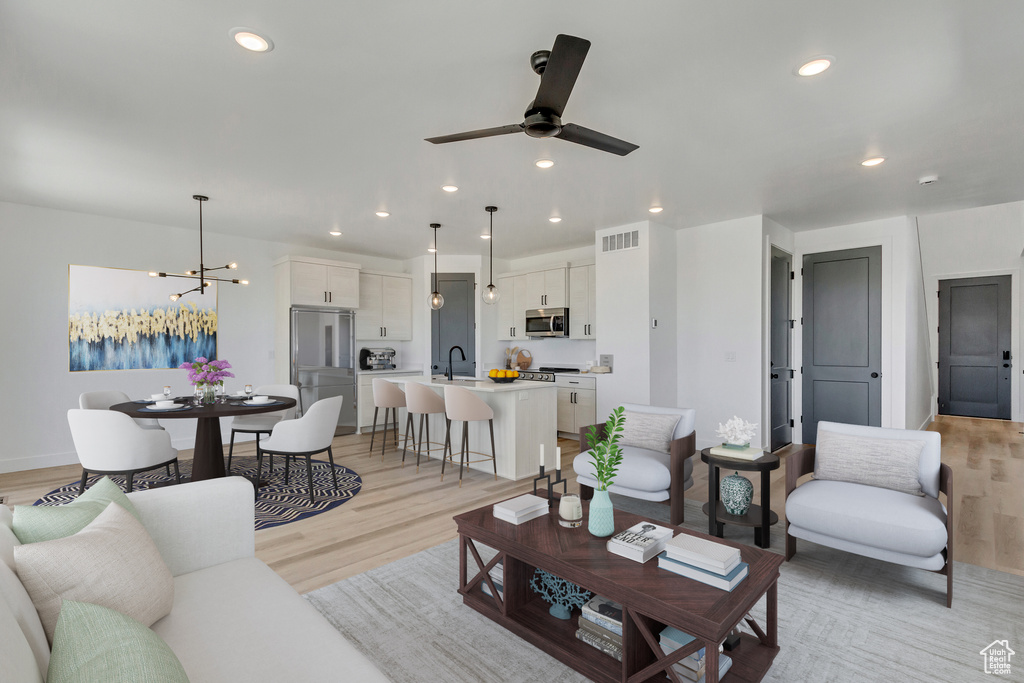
[737, 492]
[209, 394]
[602, 515]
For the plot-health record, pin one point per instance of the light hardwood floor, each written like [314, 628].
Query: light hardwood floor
[401, 511]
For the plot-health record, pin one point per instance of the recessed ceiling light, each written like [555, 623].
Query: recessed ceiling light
[555, 219]
[815, 66]
[544, 163]
[485, 237]
[431, 250]
[449, 188]
[383, 214]
[655, 209]
[251, 40]
[873, 161]
[336, 233]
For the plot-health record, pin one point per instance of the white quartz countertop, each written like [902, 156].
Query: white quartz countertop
[484, 385]
[389, 372]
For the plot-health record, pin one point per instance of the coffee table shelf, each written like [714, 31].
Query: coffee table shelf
[651, 598]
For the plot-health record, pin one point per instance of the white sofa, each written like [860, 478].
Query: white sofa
[233, 618]
[872, 520]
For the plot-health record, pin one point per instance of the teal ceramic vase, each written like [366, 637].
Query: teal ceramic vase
[737, 492]
[602, 515]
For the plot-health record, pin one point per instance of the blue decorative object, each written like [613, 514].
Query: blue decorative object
[563, 595]
[737, 492]
[602, 515]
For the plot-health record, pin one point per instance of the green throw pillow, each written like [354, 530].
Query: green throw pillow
[94, 643]
[35, 523]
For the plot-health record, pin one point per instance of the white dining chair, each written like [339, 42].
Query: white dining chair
[102, 400]
[109, 442]
[264, 422]
[463, 405]
[310, 434]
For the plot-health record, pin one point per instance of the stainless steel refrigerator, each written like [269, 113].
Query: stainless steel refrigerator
[323, 360]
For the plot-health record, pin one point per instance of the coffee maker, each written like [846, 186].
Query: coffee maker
[377, 359]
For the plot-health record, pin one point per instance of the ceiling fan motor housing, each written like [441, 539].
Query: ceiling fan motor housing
[539, 61]
[542, 123]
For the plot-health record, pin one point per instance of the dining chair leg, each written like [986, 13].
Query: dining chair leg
[177, 474]
[81, 487]
[128, 481]
[384, 436]
[287, 460]
[334, 472]
[231, 448]
[168, 468]
[373, 434]
[259, 467]
[309, 473]
[494, 459]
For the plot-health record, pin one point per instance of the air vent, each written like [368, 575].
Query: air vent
[3, 500]
[623, 240]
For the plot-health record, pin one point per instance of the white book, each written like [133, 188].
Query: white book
[521, 518]
[640, 542]
[714, 556]
[726, 583]
[724, 664]
[701, 564]
[748, 453]
[520, 505]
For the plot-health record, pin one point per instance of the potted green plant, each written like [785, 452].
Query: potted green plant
[606, 455]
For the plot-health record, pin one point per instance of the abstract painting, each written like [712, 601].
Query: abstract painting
[124, 320]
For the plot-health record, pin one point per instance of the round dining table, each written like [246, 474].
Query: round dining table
[208, 456]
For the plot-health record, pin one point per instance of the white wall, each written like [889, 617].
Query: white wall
[974, 243]
[38, 388]
[664, 367]
[920, 407]
[719, 318]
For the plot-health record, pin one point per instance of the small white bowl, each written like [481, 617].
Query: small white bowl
[157, 397]
[163, 405]
[260, 399]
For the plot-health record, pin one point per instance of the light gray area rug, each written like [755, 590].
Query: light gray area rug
[842, 618]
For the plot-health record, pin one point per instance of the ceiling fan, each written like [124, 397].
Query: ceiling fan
[558, 69]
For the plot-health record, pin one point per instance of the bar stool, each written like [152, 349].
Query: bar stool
[423, 401]
[388, 396]
[464, 406]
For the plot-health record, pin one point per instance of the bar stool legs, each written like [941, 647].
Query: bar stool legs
[387, 427]
[464, 451]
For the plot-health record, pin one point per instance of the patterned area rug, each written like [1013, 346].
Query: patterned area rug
[277, 503]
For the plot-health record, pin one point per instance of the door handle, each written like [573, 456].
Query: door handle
[875, 375]
[1006, 365]
[775, 375]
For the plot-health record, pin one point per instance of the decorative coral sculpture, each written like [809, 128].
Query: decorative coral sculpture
[563, 595]
[736, 432]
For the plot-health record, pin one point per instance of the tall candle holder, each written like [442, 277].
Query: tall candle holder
[546, 478]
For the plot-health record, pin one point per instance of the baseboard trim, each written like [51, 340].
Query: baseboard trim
[927, 421]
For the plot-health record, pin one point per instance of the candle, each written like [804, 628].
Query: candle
[558, 458]
[542, 455]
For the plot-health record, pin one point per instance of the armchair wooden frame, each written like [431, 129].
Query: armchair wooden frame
[679, 451]
[802, 463]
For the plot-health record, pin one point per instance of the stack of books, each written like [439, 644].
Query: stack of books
[690, 667]
[745, 453]
[521, 509]
[497, 575]
[640, 542]
[712, 563]
[600, 626]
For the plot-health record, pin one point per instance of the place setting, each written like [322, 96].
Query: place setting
[245, 398]
[162, 402]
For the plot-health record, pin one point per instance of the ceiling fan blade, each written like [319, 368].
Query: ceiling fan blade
[560, 74]
[591, 138]
[474, 134]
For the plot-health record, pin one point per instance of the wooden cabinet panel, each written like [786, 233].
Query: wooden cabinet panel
[554, 288]
[397, 308]
[582, 302]
[368, 317]
[566, 411]
[342, 287]
[308, 284]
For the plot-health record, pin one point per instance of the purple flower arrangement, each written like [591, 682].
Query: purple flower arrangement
[202, 372]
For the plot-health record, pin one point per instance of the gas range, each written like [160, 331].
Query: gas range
[544, 374]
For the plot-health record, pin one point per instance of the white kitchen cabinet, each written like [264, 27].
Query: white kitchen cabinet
[319, 284]
[545, 289]
[582, 302]
[385, 307]
[577, 402]
[511, 308]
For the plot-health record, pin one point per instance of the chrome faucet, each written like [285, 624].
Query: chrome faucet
[463, 353]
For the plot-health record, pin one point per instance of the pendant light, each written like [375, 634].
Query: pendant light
[436, 300]
[490, 295]
[201, 274]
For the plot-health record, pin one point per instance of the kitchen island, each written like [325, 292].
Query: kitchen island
[525, 416]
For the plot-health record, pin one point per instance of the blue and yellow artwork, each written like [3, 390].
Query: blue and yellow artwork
[124, 320]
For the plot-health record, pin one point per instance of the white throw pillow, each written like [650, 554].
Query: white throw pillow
[885, 463]
[112, 562]
[652, 431]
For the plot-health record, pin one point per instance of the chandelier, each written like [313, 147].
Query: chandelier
[200, 274]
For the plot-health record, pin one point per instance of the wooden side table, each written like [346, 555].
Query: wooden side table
[760, 516]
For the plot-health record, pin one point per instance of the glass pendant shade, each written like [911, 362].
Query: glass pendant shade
[436, 300]
[490, 294]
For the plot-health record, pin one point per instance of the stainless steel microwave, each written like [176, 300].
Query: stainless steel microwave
[547, 322]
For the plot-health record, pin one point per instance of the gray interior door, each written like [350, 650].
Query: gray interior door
[781, 371]
[454, 324]
[974, 347]
[842, 338]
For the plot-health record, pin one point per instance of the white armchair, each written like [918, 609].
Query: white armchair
[108, 442]
[645, 473]
[102, 400]
[264, 422]
[310, 434]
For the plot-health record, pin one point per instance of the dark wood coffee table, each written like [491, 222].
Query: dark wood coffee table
[651, 598]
